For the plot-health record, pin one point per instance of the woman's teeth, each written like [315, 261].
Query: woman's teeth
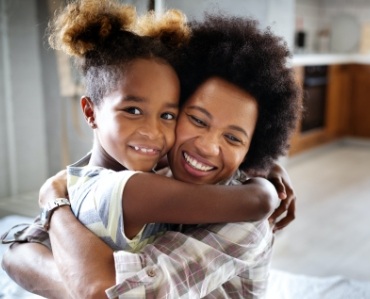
[195, 164]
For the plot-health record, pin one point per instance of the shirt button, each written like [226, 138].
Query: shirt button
[151, 272]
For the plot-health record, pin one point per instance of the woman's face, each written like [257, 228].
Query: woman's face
[213, 133]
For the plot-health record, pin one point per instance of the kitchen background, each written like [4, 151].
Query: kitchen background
[42, 130]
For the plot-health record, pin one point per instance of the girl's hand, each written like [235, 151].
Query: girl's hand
[54, 187]
[285, 213]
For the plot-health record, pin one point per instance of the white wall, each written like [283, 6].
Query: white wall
[317, 15]
[278, 14]
[23, 142]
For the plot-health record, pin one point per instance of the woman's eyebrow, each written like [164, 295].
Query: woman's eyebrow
[232, 127]
[201, 110]
[239, 129]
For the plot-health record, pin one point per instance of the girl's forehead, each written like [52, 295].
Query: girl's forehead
[149, 81]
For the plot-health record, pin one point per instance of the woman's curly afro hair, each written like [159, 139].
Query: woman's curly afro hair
[235, 50]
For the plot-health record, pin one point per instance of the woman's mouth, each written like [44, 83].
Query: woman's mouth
[196, 164]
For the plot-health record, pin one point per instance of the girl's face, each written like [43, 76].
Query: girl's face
[135, 124]
[213, 133]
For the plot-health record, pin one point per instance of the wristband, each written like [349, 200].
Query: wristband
[51, 206]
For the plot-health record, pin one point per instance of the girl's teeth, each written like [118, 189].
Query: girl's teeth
[195, 164]
[144, 150]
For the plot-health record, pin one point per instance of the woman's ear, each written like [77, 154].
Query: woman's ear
[87, 107]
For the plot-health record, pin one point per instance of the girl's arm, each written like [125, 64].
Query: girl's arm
[149, 198]
[285, 213]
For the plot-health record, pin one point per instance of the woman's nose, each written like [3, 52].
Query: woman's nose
[208, 144]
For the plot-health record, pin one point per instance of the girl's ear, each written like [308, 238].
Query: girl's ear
[87, 107]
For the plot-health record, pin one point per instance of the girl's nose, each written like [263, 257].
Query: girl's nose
[151, 128]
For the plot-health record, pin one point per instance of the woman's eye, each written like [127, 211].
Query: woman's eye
[233, 139]
[133, 110]
[197, 121]
[168, 116]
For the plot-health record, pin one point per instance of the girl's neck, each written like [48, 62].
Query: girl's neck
[100, 158]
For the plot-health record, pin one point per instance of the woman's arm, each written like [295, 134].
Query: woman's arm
[83, 265]
[84, 261]
[31, 265]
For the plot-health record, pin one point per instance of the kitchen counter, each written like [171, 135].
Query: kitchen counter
[329, 59]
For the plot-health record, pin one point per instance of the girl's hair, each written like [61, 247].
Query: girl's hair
[104, 36]
[236, 50]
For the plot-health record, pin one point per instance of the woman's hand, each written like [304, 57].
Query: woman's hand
[54, 187]
[279, 177]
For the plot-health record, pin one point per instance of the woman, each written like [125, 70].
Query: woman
[263, 86]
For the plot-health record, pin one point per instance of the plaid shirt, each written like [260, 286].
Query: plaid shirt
[209, 261]
[31, 233]
[213, 261]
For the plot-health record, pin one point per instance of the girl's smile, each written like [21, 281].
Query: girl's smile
[135, 123]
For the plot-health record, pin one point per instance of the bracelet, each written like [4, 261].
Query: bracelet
[51, 206]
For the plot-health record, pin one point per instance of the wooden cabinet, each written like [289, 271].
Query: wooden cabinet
[347, 107]
[360, 101]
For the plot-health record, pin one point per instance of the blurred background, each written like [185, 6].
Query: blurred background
[42, 130]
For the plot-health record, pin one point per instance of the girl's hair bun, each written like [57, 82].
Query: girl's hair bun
[84, 25]
[171, 27]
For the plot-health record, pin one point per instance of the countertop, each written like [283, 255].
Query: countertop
[328, 59]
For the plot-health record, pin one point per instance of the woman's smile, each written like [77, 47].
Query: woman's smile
[196, 164]
[210, 145]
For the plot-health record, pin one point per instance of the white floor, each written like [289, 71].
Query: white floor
[331, 233]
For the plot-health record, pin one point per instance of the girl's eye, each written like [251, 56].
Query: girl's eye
[168, 116]
[198, 122]
[133, 110]
[232, 138]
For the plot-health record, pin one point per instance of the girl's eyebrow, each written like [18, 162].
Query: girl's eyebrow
[232, 127]
[136, 99]
[131, 98]
[172, 105]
